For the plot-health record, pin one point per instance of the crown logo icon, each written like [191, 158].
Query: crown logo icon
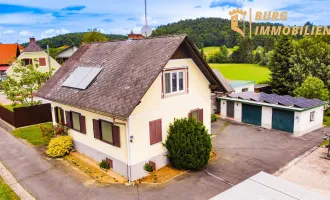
[237, 11]
[234, 20]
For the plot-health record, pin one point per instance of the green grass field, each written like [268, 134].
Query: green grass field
[6, 193]
[251, 72]
[33, 134]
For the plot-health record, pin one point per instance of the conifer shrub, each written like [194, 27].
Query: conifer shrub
[59, 146]
[188, 144]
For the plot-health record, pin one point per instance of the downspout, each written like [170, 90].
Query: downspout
[128, 151]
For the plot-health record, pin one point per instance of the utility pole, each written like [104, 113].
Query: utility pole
[49, 67]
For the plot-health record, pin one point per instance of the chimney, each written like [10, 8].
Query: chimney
[133, 36]
[32, 39]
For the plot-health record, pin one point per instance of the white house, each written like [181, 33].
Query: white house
[34, 54]
[272, 111]
[242, 86]
[62, 56]
[119, 98]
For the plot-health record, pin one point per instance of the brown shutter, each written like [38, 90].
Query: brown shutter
[116, 135]
[96, 127]
[42, 61]
[30, 61]
[68, 119]
[56, 116]
[187, 81]
[159, 131]
[190, 114]
[62, 116]
[152, 132]
[82, 124]
[200, 115]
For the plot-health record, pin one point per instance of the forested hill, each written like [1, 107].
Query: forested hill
[70, 39]
[209, 31]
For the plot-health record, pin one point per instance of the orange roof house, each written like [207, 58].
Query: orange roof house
[8, 53]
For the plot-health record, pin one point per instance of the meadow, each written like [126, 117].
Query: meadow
[251, 72]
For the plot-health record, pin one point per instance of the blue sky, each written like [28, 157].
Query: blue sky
[21, 19]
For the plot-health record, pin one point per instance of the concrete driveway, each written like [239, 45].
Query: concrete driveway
[243, 151]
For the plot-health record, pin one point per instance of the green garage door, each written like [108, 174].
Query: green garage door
[251, 114]
[283, 120]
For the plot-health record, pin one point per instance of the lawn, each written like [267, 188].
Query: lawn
[250, 72]
[33, 134]
[326, 120]
[11, 107]
[6, 193]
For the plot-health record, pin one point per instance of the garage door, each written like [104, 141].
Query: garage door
[251, 114]
[283, 120]
[230, 109]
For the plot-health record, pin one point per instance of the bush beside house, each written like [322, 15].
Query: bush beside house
[59, 146]
[188, 144]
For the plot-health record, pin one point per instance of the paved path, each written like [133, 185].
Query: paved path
[243, 150]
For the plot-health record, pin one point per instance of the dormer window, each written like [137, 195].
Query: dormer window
[175, 82]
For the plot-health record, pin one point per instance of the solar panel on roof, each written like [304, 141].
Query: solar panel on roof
[81, 77]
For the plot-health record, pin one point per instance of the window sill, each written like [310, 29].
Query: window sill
[174, 94]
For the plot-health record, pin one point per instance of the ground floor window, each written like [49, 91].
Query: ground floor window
[106, 131]
[312, 116]
[196, 114]
[155, 131]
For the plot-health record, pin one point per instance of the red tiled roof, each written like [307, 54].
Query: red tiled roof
[33, 47]
[8, 52]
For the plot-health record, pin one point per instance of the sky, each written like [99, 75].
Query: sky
[22, 19]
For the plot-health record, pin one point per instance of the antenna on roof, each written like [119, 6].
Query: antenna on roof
[146, 30]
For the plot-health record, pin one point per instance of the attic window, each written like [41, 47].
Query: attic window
[175, 82]
[82, 77]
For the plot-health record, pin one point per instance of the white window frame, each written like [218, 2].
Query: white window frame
[184, 72]
[312, 116]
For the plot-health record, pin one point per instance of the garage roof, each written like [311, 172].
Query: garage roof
[268, 187]
[286, 100]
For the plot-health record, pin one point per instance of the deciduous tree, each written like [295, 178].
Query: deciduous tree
[312, 88]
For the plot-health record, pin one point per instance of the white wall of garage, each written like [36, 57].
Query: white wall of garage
[302, 122]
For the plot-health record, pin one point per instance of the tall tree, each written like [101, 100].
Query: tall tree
[311, 58]
[311, 88]
[25, 81]
[280, 64]
[94, 35]
[245, 51]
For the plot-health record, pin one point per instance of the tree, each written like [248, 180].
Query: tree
[280, 63]
[25, 81]
[188, 144]
[311, 58]
[94, 35]
[222, 56]
[312, 88]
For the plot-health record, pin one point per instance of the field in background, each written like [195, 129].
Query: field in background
[209, 50]
[251, 72]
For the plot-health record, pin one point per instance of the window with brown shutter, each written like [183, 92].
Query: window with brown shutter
[196, 114]
[155, 131]
[59, 115]
[82, 124]
[75, 121]
[107, 132]
[42, 61]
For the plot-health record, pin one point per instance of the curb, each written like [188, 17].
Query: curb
[13, 184]
[294, 161]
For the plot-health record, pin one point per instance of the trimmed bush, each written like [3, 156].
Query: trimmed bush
[104, 164]
[59, 146]
[188, 144]
[214, 117]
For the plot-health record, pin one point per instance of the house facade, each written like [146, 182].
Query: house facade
[123, 115]
[62, 56]
[34, 54]
[297, 116]
[242, 86]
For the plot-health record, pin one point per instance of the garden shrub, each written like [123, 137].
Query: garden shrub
[59, 146]
[188, 144]
[104, 164]
[148, 167]
[214, 117]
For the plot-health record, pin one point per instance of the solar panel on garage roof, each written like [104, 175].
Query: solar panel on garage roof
[82, 77]
[277, 99]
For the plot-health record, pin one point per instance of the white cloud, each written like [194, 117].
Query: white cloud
[24, 18]
[53, 32]
[101, 30]
[25, 34]
[8, 32]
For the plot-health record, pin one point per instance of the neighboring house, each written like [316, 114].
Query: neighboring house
[242, 86]
[8, 53]
[272, 111]
[33, 54]
[62, 56]
[262, 88]
[215, 101]
[120, 97]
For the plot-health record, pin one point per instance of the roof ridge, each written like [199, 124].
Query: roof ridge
[148, 38]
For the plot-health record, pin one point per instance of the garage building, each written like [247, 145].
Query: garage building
[272, 111]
